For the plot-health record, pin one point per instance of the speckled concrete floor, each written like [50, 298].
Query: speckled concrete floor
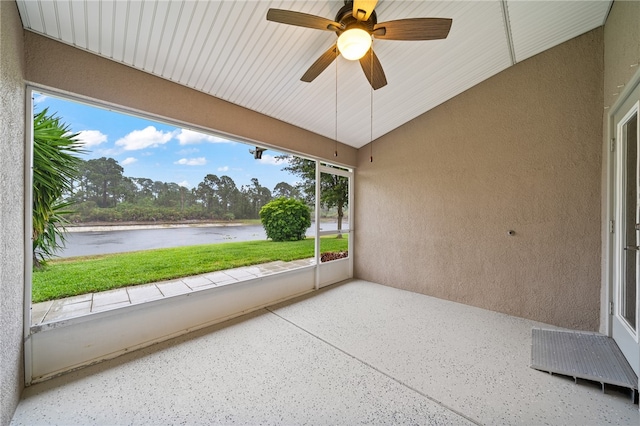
[350, 354]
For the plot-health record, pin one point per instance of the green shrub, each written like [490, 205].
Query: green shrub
[285, 219]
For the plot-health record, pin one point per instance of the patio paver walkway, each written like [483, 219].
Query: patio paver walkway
[77, 306]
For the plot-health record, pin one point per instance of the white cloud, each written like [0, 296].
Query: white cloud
[200, 161]
[128, 160]
[148, 137]
[223, 169]
[188, 151]
[109, 152]
[185, 184]
[188, 137]
[270, 159]
[38, 98]
[91, 137]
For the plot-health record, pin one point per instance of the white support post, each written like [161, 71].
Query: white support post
[317, 219]
[28, 225]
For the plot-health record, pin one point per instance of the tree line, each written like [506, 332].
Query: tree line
[101, 193]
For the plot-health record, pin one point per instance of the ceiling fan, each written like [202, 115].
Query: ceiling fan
[355, 24]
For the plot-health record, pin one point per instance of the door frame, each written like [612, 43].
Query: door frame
[340, 269]
[610, 223]
[619, 324]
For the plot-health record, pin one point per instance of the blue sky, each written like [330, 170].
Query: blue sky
[154, 150]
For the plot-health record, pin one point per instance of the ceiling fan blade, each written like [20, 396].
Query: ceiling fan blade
[320, 64]
[362, 9]
[413, 29]
[302, 20]
[378, 79]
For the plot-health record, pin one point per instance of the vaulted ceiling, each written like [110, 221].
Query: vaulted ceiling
[229, 50]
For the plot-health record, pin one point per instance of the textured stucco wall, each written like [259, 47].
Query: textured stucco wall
[521, 151]
[621, 47]
[53, 64]
[621, 62]
[11, 209]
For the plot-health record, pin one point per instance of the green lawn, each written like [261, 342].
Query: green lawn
[89, 274]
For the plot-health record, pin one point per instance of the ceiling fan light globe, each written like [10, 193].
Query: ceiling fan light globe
[354, 43]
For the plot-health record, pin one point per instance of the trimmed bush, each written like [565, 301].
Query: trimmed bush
[285, 219]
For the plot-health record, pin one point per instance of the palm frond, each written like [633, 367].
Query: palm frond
[56, 164]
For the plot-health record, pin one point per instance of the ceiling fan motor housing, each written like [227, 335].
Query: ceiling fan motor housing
[345, 17]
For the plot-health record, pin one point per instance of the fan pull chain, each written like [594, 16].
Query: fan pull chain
[371, 110]
[335, 154]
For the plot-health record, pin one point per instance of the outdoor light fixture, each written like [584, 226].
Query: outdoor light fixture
[354, 43]
[257, 153]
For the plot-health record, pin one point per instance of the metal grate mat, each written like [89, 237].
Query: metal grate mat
[582, 355]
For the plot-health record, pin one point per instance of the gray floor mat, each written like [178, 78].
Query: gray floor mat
[581, 355]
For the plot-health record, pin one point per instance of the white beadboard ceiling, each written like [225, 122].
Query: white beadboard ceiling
[229, 50]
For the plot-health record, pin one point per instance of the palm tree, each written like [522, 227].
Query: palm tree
[55, 166]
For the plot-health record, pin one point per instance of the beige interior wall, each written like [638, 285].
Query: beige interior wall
[621, 62]
[621, 48]
[11, 209]
[520, 151]
[56, 65]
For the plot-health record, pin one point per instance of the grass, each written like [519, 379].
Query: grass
[89, 274]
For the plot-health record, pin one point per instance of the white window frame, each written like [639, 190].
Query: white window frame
[87, 338]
